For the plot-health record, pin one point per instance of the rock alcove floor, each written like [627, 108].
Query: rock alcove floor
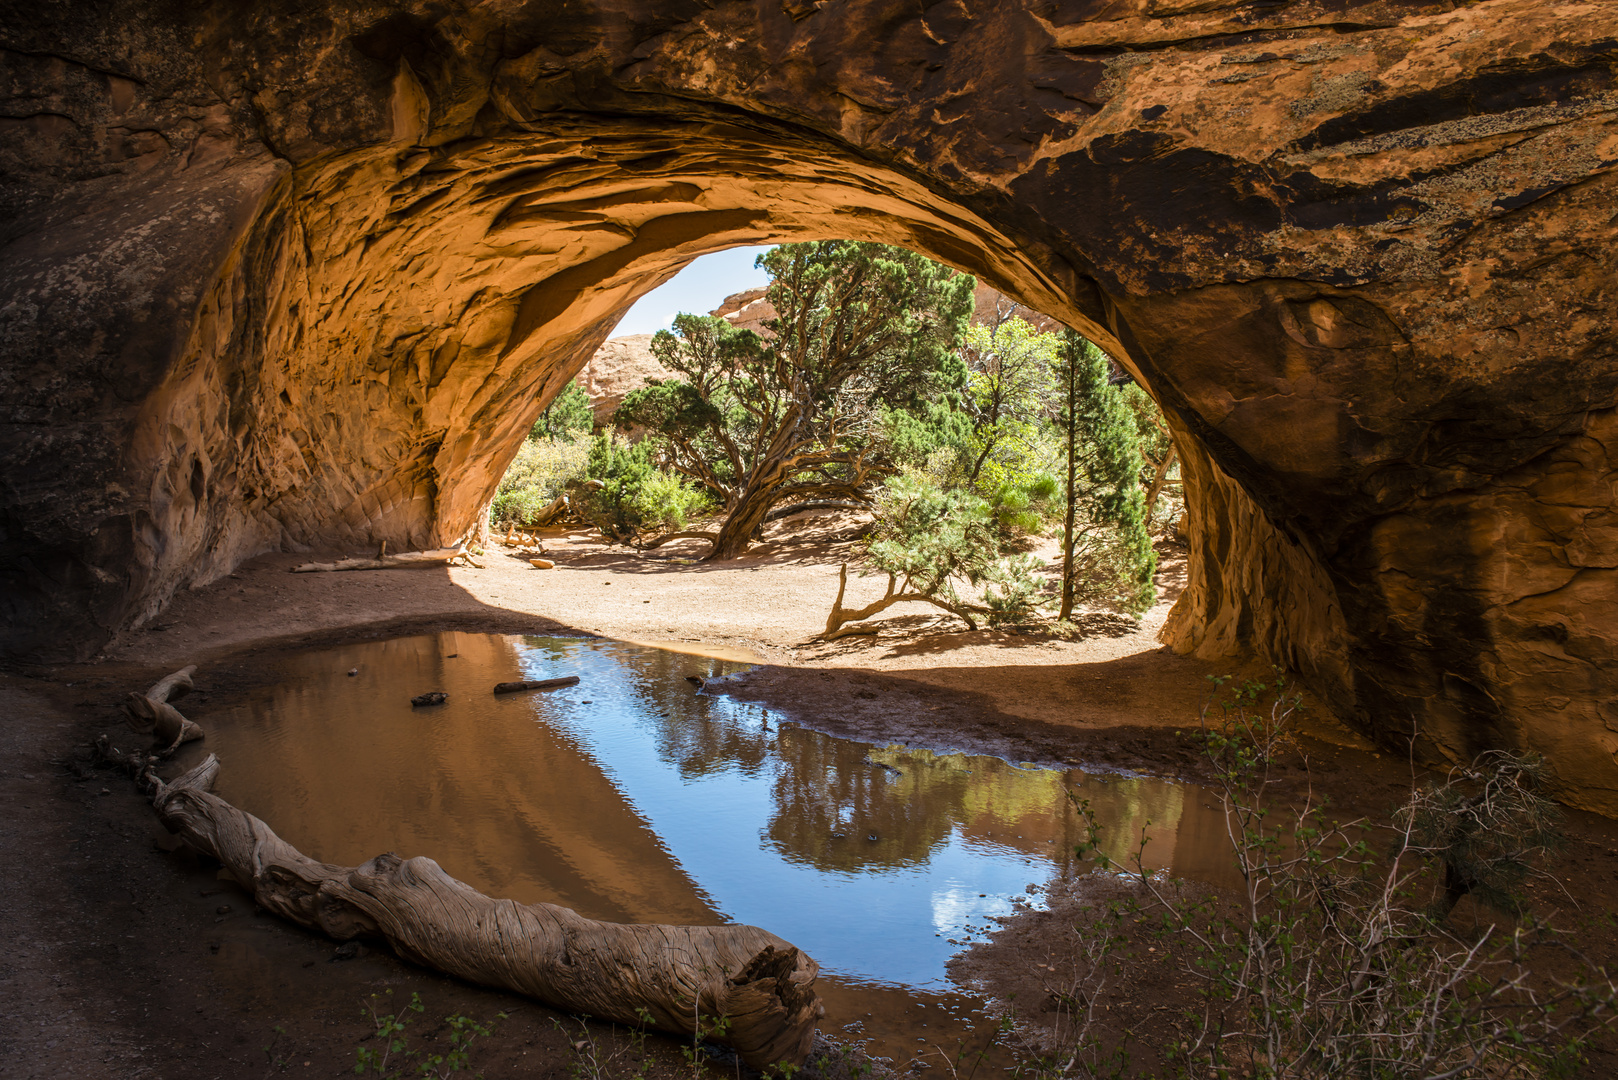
[130, 958]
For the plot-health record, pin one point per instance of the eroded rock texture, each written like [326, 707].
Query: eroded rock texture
[279, 275]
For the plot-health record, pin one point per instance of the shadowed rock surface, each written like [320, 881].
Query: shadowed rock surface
[279, 276]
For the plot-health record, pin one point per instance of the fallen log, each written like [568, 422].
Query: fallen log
[683, 977]
[385, 562]
[151, 713]
[535, 684]
[174, 686]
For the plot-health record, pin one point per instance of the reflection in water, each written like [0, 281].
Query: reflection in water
[633, 798]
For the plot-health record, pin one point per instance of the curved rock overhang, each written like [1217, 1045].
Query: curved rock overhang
[289, 275]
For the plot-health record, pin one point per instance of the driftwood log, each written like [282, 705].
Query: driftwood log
[151, 712]
[385, 561]
[535, 684]
[683, 976]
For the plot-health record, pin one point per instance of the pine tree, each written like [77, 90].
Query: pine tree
[565, 418]
[1106, 550]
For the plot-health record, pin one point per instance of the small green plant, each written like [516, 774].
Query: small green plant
[541, 471]
[716, 1027]
[1327, 965]
[393, 1057]
[275, 1062]
[626, 495]
[591, 1061]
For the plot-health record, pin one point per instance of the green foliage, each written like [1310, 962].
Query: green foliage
[593, 1061]
[936, 438]
[930, 536]
[1022, 504]
[935, 539]
[1151, 438]
[393, 1058]
[1325, 964]
[541, 471]
[630, 494]
[1008, 384]
[566, 418]
[806, 410]
[1107, 550]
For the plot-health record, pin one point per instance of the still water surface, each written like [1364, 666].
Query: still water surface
[632, 797]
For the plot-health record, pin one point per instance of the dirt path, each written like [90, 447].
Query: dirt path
[130, 959]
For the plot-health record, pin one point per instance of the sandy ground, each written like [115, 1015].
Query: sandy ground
[768, 607]
[128, 958]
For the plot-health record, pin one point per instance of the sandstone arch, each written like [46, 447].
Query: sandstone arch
[286, 276]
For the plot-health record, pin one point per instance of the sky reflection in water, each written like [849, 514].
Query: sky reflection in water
[631, 797]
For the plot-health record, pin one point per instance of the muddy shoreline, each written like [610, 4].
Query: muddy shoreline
[133, 960]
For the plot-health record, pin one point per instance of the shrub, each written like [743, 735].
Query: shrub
[1326, 965]
[540, 472]
[626, 494]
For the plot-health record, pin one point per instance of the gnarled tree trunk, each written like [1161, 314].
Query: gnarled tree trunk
[151, 712]
[895, 595]
[684, 977]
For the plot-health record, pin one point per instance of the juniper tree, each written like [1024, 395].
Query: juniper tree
[1106, 550]
[797, 412]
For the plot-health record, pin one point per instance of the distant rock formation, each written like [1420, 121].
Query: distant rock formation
[621, 365]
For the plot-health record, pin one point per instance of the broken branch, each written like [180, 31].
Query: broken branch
[535, 684]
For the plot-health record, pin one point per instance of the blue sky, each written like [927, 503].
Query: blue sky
[698, 289]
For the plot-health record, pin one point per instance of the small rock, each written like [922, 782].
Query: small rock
[222, 909]
[348, 950]
[542, 564]
[353, 671]
[435, 697]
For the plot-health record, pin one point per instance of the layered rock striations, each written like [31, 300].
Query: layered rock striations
[284, 275]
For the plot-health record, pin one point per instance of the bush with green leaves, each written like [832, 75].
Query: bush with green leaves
[393, 1058]
[540, 472]
[1327, 963]
[567, 418]
[625, 494]
[1107, 553]
[933, 541]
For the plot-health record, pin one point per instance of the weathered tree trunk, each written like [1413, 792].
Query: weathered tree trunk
[1156, 489]
[840, 615]
[151, 712]
[685, 977]
[684, 534]
[736, 534]
[814, 504]
[173, 686]
[384, 561]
